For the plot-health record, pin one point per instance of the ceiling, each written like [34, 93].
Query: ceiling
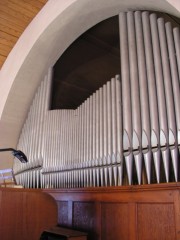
[15, 16]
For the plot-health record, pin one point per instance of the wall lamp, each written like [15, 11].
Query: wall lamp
[16, 153]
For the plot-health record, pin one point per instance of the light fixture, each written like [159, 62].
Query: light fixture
[16, 153]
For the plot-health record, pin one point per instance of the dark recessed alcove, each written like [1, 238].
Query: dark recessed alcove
[90, 61]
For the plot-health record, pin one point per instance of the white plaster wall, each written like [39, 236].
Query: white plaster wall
[175, 4]
[45, 39]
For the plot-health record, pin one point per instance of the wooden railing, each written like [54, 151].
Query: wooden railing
[25, 213]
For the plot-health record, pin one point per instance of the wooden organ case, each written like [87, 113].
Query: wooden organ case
[126, 133]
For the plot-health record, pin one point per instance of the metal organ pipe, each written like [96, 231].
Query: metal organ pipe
[97, 138]
[133, 120]
[135, 98]
[143, 88]
[176, 33]
[168, 93]
[176, 92]
[160, 94]
[119, 130]
[101, 135]
[109, 132]
[114, 129]
[154, 120]
[126, 96]
[105, 133]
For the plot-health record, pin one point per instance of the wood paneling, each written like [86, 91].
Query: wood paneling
[84, 217]
[63, 213]
[148, 212]
[115, 219]
[15, 16]
[25, 214]
[159, 224]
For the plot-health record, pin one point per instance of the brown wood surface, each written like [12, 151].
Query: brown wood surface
[156, 219]
[15, 16]
[148, 212]
[25, 214]
[110, 216]
[65, 232]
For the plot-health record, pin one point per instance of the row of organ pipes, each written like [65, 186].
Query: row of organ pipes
[127, 132]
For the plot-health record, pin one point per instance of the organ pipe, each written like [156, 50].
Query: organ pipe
[132, 121]
[126, 96]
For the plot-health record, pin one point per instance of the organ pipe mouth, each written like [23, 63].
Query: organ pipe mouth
[154, 149]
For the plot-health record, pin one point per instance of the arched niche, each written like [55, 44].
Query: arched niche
[46, 38]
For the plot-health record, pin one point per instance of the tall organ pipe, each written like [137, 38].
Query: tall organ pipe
[101, 135]
[143, 85]
[176, 92]
[176, 33]
[105, 124]
[127, 123]
[174, 75]
[114, 130]
[114, 120]
[109, 126]
[86, 132]
[97, 136]
[135, 98]
[97, 126]
[134, 81]
[41, 120]
[160, 93]
[168, 92]
[152, 95]
[143, 88]
[38, 117]
[119, 130]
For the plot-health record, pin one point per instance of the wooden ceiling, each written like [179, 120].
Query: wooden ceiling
[15, 16]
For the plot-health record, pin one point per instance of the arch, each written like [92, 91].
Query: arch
[46, 38]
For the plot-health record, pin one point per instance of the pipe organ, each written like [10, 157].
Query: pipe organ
[127, 132]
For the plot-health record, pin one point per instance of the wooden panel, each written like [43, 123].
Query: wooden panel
[84, 217]
[115, 218]
[15, 15]
[147, 212]
[10, 212]
[24, 214]
[177, 213]
[63, 213]
[156, 221]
